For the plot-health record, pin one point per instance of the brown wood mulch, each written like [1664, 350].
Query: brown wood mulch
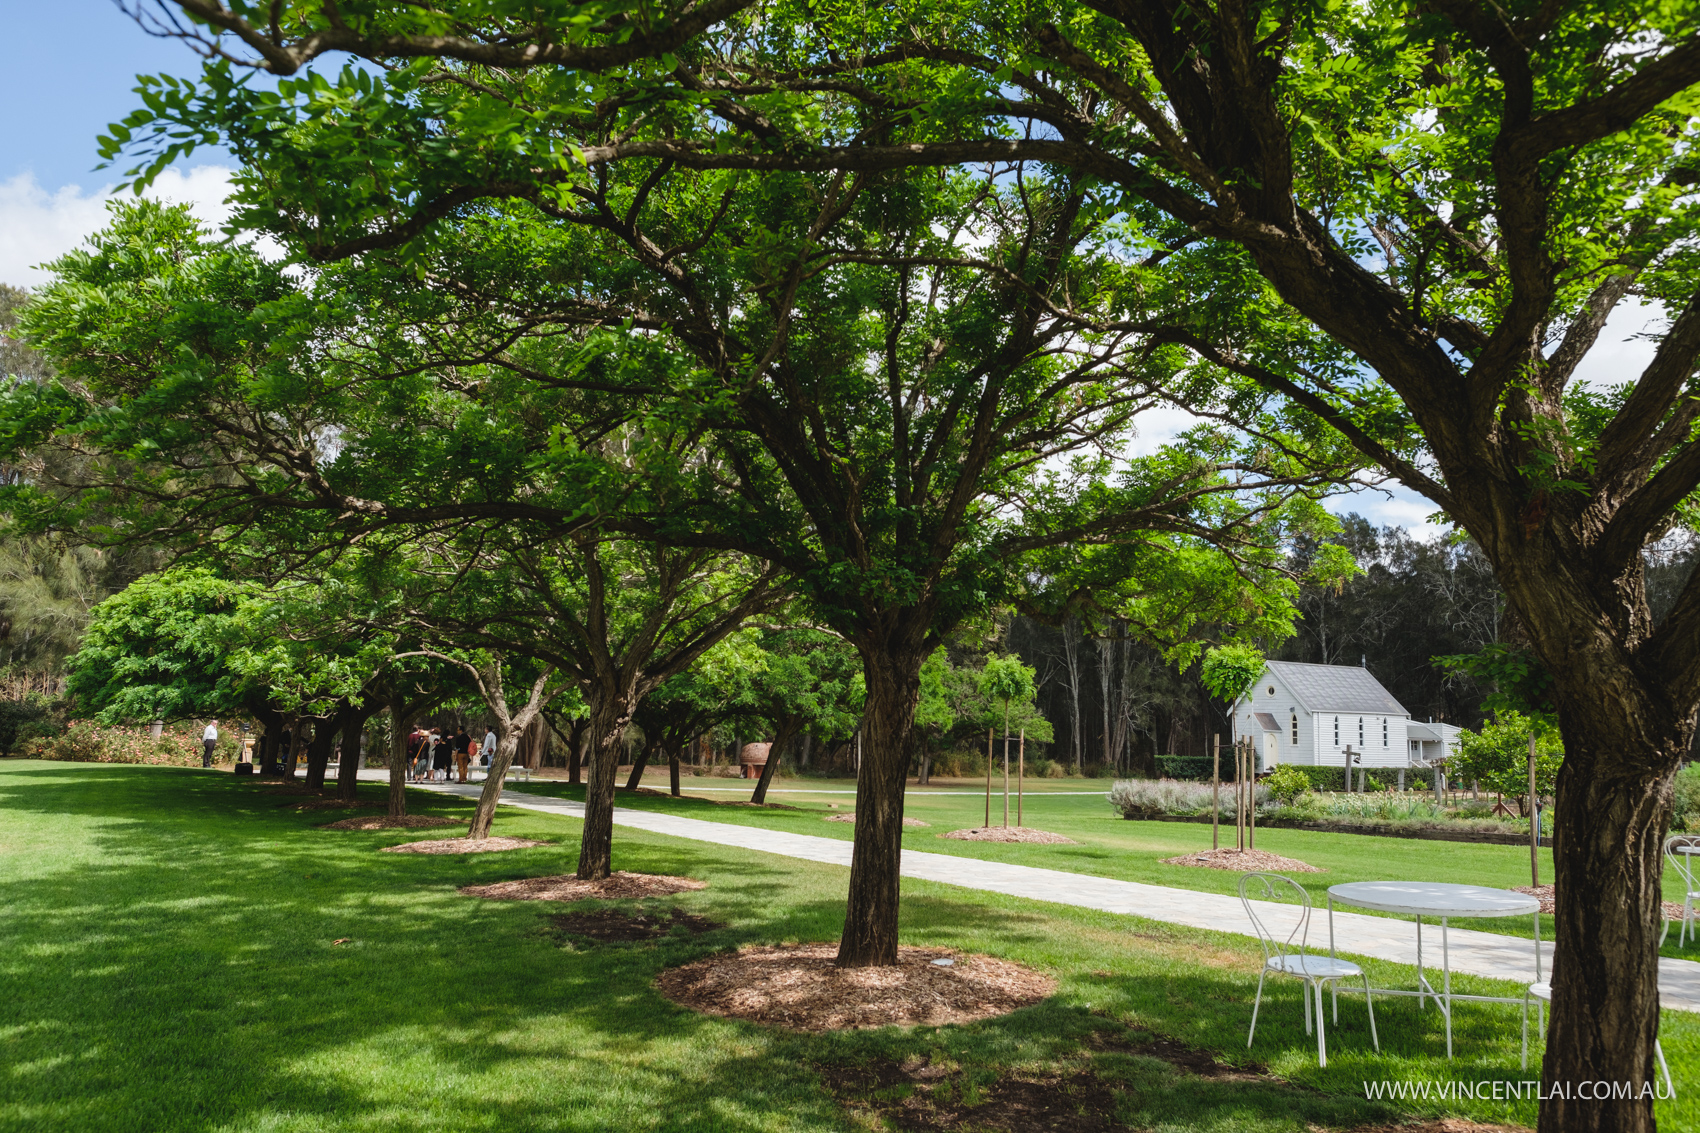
[565, 887]
[464, 846]
[1672, 909]
[852, 818]
[615, 925]
[1009, 834]
[1244, 861]
[332, 804]
[384, 822]
[800, 987]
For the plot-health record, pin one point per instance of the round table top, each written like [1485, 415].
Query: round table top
[1433, 898]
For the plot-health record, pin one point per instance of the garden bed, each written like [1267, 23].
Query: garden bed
[1433, 834]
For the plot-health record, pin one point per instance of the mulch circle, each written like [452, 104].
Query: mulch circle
[615, 925]
[1442, 1125]
[331, 804]
[1009, 834]
[383, 822]
[464, 846]
[1672, 909]
[565, 887]
[1244, 861]
[852, 818]
[800, 987]
[1022, 1103]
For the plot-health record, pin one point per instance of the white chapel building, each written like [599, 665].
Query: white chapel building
[1309, 714]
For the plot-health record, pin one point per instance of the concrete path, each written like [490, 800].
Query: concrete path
[1382, 938]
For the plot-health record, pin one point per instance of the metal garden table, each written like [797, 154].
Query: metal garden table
[1441, 900]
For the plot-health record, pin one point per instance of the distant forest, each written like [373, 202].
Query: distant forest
[1114, 701]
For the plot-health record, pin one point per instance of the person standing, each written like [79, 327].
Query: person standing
[489, 748]
[416, 744]
[209, 740]
[463, 752]
[441, 755]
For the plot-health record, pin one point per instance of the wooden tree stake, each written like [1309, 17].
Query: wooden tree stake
[1215, 789]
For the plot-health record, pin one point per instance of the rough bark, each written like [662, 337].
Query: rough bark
[401, 723]
[608, 720]
[892, 672]
[293, 755]
[348, 770]
[511, 728]
[635, 779]
[673, 773]
[787, 730]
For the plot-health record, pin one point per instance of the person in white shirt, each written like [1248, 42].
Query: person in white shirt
[488, 751]
[209, 740]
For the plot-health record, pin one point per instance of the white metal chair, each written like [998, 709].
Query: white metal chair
[1541, 993]
[1287, 953]
[1683, 864]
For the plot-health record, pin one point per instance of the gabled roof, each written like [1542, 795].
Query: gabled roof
[1336, 688]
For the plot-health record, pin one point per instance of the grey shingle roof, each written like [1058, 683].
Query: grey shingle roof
[1422, 732]
[1336, 688]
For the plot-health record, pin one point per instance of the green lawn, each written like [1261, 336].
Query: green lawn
[168, 963]
[1110, 846]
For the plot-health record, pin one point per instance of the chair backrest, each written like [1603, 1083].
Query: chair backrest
[1281, 931]
[1684, 864]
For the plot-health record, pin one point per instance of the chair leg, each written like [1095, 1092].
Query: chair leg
[1334, 990]
[1321, 1043]
[1254, 1006]
[1373, 1037]
[1307, 1007]
[1658, 1052]
[1525, 1030]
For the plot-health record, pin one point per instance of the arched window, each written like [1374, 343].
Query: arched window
[1295, 713]
[1336, 731]
[1360, 731]
[1384, 731]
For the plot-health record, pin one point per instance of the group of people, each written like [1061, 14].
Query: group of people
[431, 753]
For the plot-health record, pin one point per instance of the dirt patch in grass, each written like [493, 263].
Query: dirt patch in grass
[1009, 834]
[332, 804]
[1244, 861]
[1672, 909]
[383, 822]
[566, 887]
[852, 818]
[464, 846]
[616, 925]
[800, 987]
[915, 1095]
[1191, 1059]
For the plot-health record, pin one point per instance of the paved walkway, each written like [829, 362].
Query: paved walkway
[1383, 938]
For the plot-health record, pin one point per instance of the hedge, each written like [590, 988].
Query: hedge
[1197, 768]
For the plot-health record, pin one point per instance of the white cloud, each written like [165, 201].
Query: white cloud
[37, 226]
[1617, 356]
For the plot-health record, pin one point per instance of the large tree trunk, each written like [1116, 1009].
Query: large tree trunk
[1622, 750]
[892, 672]
[673, 772]
[786, 731]
[608, 722]
[635, 779]
[293, 755]
[401, 722]
[507, 745]
[348, 771]
[325, 732]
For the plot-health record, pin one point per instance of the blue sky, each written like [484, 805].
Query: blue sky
[55, 101]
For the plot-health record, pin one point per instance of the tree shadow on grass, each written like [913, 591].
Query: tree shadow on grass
[188, 977]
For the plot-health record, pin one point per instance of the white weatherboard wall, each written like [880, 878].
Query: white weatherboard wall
[1335, 706]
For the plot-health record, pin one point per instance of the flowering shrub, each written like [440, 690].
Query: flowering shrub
[85, 741]
[1149, 798]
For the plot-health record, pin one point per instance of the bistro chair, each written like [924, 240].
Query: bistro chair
[1684, 864]
[1285, 950]
[1541, 993]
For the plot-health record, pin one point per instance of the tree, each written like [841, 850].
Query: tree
[162, 649]
[1497, 756]
[1230, 670]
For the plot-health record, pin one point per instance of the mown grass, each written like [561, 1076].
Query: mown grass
[1110, 846]
[167, 962]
